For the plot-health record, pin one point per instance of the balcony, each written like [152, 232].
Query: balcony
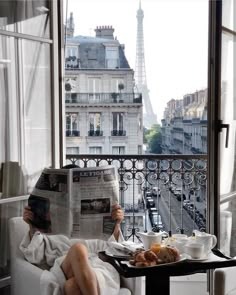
[95, 133]
[72, 133]
[118, 133]
[103, 98]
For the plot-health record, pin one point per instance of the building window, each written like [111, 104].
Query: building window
[95, 150]
[72, 150]
[94, 122]
[117, 123]
[72, 128]
[112, 57]
[118, 150]
[72, 57]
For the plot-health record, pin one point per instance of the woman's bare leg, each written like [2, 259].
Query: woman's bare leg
[71, 287]
[76, 264]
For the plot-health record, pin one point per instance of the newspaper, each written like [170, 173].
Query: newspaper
[76, 202]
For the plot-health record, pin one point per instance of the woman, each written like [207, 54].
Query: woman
[74, 262]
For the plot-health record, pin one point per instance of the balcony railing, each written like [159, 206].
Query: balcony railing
[104, 98]
[72, 133]
[118, 133]
[95, 133]
[181, 180]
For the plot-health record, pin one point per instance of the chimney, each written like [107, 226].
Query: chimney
[105, 32]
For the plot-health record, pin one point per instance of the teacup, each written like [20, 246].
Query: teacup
[195, 250]
[180, 243]
[209, 241]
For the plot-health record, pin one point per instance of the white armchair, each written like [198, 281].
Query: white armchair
[25, 277]
[224, 281]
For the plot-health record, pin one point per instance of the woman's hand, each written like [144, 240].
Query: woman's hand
[28, 215]
[117, 213]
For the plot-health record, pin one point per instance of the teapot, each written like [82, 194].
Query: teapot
[150, 238]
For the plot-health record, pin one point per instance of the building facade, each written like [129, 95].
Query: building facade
[184, 126]
[103, 113]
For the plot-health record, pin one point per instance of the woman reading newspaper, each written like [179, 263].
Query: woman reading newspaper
[74, 263]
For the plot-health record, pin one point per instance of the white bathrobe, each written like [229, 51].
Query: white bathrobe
[51, 250]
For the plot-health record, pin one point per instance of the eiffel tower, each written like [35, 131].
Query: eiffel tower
[150, 117]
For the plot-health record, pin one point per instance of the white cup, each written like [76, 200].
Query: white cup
[209, 241]
[195, 250]
[180, 243]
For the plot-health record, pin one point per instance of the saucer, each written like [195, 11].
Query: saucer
[189, 258]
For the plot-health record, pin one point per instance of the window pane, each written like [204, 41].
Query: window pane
[25, 16]
[36, 77]
[228, 16]
[228, 155]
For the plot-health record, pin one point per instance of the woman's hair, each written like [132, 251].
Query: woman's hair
[70, 166]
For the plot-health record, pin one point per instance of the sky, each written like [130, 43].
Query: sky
[175, 40]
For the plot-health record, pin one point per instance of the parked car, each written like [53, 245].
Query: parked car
[150, 203]
[156, 191]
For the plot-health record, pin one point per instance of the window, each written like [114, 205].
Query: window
[29, 104]
[72, 57]
[94, 88]
[117, 121]
[72, 124]
[95, 150]
[72, 150]
[118, 150]
[112, 57]
[94, 121]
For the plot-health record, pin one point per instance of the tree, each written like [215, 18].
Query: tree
[153, 139]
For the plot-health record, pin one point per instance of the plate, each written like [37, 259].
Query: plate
[115, 254]
[182, 258]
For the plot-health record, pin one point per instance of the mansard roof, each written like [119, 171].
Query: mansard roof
[92, 51]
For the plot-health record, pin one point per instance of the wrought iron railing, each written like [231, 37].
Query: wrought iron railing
[118, 133]
[180, 179]
[104, 98]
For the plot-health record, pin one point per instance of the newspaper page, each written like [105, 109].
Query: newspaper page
[50, 202]
[75, 202]
[94, 192]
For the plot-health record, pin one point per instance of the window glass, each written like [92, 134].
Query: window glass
[25, 105]
[72, 57]
[36, 89]
[228, 15]
[94, 121]
[228, 155]
[112, 57]
[72, 150]
[117, 121]
[96, 150]
[118, 150]
[71, 122]
[26, 17]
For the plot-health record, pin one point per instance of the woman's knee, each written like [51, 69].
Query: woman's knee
[71, 287]
[79, 251]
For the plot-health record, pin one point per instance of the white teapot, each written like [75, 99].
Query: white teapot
[150, 238]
